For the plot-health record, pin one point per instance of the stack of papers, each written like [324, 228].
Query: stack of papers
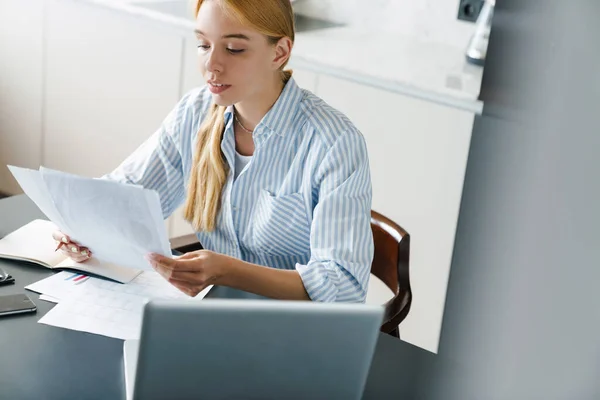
[119, 223]
[57, 286]
[104, 307]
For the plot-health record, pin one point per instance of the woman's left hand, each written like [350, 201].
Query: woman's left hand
[192, 272]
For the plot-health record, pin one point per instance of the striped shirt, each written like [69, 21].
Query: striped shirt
[303, 201]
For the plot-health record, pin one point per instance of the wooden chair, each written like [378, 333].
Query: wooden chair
[390, 265]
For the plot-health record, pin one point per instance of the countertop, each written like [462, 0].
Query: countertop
[387, 60]
[393, 62]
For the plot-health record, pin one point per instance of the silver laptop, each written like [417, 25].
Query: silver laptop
[252, 349]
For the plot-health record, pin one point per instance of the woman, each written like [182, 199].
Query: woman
[275, 181]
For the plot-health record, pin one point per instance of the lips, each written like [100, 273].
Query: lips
[217, 88]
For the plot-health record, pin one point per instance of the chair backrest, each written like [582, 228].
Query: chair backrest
[391, 265]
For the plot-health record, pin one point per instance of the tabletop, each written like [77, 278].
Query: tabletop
[41, 361]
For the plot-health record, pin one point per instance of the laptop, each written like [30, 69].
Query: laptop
[252, 349]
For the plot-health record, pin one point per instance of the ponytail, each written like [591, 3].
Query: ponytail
[209, 173]
[286, 75]
[209, 170]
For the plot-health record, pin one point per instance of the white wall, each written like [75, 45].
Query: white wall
[433, 20]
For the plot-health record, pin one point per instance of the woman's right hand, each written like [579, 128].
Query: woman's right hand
[71, 249]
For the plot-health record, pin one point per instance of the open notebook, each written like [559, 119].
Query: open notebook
[34, 243]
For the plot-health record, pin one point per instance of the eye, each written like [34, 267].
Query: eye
[203, 46]
[235, 51]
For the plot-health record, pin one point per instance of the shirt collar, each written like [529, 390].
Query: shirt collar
[280, 117]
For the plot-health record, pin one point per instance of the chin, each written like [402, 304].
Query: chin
[225, 97]
[221, 100]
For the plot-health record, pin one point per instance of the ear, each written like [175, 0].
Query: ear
[283, 50]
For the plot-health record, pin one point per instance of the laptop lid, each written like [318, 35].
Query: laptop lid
[255, 349]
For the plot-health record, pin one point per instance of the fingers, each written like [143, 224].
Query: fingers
[71, 249]
[60, 237]
[174, 271]
[166, 263]
[189, 278]
[176, 274]
[157, 260]
[188, 262]
[188, 256]
[75, 252]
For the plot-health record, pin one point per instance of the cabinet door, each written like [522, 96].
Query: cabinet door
[21, 67]
[418, 153]
[111, 80]
[305, 79]
[192, 78]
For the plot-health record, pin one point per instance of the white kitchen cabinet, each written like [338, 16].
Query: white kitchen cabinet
[305, 79]
[21, 68]
[111, 79]
[418, 153]
[191, 77]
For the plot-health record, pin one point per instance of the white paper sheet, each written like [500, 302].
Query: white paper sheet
[120, 223]
[101, 268]
[33, 185]
[112, 309]
[49, 299]
[58, 286]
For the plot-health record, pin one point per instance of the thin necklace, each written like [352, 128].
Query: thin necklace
[238, 121]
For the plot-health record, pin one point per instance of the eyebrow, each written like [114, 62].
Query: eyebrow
[228, 36]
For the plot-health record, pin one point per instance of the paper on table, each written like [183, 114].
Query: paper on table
[112, 309]
[59, 285]
[94, 266]
[49, 299]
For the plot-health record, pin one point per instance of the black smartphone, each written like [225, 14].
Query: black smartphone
[16, 304]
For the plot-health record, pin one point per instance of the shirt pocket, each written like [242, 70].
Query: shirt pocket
[280, 225]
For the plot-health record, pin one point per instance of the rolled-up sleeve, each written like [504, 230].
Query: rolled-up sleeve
[341, 237]
[157, 163]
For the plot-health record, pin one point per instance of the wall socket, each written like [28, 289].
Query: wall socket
[468, 10]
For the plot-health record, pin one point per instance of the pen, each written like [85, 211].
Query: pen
[81, 279]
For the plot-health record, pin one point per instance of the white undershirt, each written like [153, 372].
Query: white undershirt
[240, 163]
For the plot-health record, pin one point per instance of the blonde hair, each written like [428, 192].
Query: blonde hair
[274, 19]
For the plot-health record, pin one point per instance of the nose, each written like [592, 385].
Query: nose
[213, 62]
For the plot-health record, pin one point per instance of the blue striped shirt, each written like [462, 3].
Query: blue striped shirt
[303, 201]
